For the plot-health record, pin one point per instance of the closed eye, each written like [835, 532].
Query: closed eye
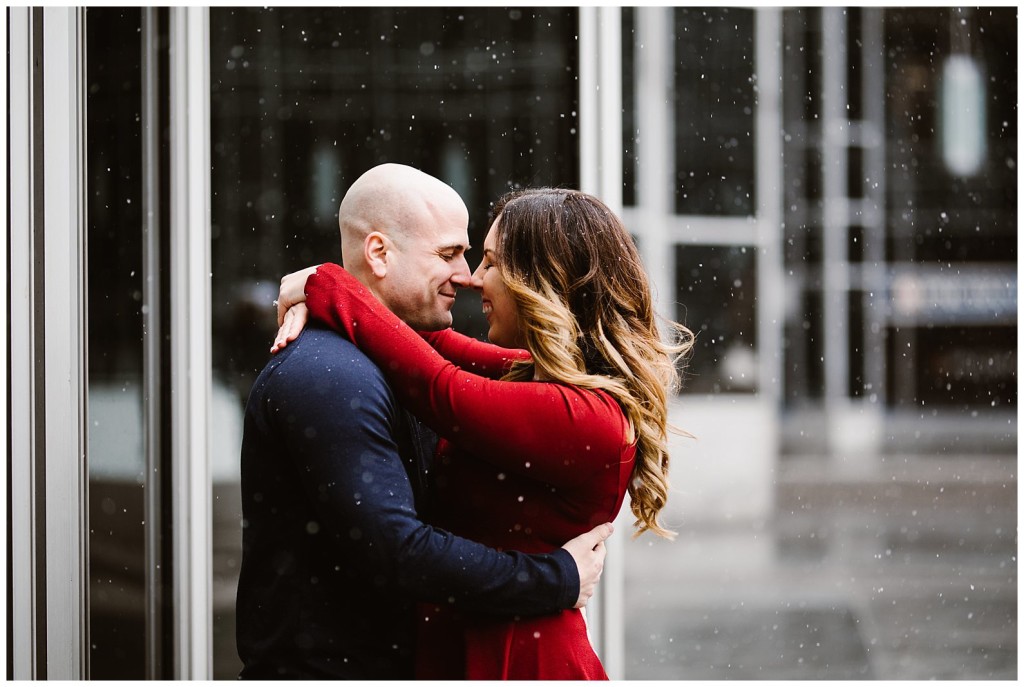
[450, 253]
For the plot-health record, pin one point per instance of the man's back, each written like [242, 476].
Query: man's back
[316, 594]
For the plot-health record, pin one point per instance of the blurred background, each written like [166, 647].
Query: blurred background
[826, 196]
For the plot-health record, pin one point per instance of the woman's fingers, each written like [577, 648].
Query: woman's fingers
[292, 324]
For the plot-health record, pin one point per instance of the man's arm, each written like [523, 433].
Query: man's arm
[337, 419]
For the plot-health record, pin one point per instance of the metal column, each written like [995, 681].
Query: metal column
[191, 339]
[601, 175]
[47, 344]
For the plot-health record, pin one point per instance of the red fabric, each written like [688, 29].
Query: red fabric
[484, 359]
[521, 465]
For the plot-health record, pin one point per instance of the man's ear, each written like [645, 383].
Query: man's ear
[375, 251]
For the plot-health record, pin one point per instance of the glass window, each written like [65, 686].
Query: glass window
[304, 101]
[714, 101]
[117, 476]
[716, 286]
[957, 228]
[629, 125]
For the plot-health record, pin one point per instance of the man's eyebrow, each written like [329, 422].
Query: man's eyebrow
[454, 247]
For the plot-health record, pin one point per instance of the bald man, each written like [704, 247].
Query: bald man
[334, 555]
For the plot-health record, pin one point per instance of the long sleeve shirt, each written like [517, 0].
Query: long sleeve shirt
[334, 553]
[520, 465]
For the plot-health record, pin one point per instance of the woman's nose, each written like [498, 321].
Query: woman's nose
[476, 280]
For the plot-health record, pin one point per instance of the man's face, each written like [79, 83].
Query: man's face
[426, 265]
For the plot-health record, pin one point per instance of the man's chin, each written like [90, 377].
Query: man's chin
[435, 324]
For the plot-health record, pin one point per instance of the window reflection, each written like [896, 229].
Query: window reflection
[714, 101]
[716, 287]
[960, 230]
[849, 574]
[305, 100]
[117, 565]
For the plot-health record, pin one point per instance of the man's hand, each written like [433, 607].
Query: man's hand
[588, 550]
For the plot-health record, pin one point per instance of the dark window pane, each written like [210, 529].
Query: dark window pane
[936, 216]
[117, 573]
[714, 111]
[629, 132]
[715, 288]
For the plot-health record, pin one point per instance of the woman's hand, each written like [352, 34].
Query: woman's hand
[589, 550]
[292, 291]
[295, 319]
[292, 313]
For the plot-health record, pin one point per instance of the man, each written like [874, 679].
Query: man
[334, 555]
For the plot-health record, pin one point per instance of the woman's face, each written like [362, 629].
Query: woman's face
[501, 311]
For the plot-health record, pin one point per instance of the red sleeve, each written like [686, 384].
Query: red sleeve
[485, 359]
[552, 432]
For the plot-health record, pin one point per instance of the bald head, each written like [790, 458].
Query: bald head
[396, 200]
[404, 234]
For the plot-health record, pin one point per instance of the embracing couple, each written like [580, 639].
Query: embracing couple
[420, 504]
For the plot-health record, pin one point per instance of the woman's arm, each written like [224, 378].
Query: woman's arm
[482, 358]
[550, 432]
[479, 357]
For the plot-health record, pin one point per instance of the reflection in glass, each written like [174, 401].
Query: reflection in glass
[117, 579]
[957, 230]
[716, 287]
[305, 100]
[899, 561]
[714, 115]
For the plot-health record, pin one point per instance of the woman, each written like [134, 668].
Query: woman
[551, 448]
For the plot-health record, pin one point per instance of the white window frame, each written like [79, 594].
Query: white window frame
[659, 228]
[600, 116]
[47, 335]
[46, 233]
[191, 341]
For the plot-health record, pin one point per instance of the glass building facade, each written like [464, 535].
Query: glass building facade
[827, 197]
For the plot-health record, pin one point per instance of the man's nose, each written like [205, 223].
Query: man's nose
[462, 277]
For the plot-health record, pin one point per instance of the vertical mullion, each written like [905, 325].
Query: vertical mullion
[609, 189]
[190, 328]
[152, 335]
[63, 392]
[23, 44]
[835, 142]
[655, 156]
[37, 327]
[768, 183]
[588, 98]
[600, 96]
[873, 89]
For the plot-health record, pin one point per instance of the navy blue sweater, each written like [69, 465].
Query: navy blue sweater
[334, 555]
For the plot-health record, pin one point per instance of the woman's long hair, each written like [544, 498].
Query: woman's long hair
[587, 316]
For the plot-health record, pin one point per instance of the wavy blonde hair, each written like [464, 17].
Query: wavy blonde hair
[587, 316]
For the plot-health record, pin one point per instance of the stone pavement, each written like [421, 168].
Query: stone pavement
[908, 573]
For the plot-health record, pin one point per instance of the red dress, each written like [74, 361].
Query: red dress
[521, 465]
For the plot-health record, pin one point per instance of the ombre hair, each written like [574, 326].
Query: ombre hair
[586, 315]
